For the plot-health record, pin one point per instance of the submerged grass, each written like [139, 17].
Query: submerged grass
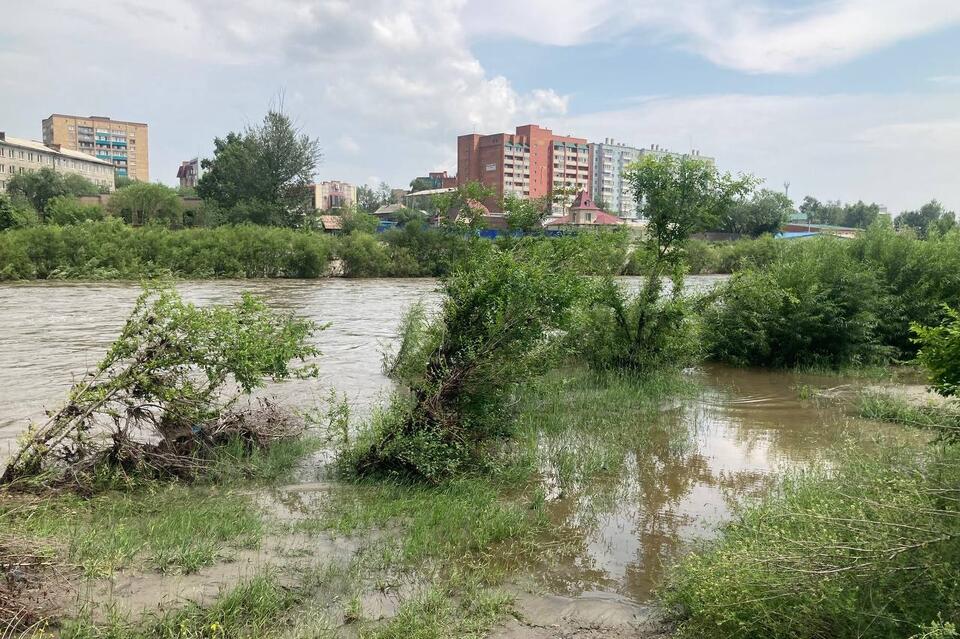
[940, 417]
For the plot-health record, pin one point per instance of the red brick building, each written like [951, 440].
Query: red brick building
[530, 163]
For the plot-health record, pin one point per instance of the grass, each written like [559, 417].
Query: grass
[944, 418]
[869, 549]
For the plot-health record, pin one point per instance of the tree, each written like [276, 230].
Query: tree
[15, 214]
[679, 196]
[421, 184]
[463, 206]
[65, 209]
[145, 203]
[370, 199]
[39, 187]
[930, 217]
[860, 215]
[263, 174]
[525, 214]
[940, 352]
[765, 212]
[356, 219]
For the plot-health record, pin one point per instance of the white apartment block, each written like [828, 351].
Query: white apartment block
[571, 170]
[610, 158]
[19, 155]
[333, 194]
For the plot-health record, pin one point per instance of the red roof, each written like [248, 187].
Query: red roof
[599, 217]
[583, 202]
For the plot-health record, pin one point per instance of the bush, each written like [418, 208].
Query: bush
[815, 306]
[940, 353]
[64, 210]
[15, 213]
[459, 367]
[869, 550]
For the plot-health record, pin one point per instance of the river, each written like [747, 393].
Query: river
[742, 431]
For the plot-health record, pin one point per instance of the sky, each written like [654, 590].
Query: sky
[842, 99]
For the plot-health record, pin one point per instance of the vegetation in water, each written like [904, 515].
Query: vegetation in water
[159, 400]
[940, 352]
[458, 368]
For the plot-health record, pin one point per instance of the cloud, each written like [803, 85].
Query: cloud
[897, 150]
[392, 75]
[754, 36]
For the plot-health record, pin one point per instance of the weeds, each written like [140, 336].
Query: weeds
[942, 418]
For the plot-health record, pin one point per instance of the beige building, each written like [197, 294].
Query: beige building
[333, 195]
[18, 155]
[123, 144]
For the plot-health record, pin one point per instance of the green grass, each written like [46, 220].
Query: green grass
[942, 418]
[169, 528]
[869, 549]
[440, 614]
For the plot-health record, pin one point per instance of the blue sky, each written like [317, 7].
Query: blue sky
[845, 99]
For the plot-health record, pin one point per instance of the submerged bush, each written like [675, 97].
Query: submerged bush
[162, 392]
[940, 353]
[457, 368]
[816, 306]
[869, 550]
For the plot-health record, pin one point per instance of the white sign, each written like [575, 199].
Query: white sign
[492, 167]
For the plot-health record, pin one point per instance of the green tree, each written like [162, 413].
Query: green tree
[930, 217]
[860, 215]
[421, 184]
[39, 187]
[263, 174]
[463, 207]
[370, 199]
[525, 214]
[680, 196]
[940, 352]
[145, 203]
[355, 219]
[65, 209]
[15, 213]
[765, 212]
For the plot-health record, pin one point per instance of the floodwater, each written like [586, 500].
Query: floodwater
[735, 437]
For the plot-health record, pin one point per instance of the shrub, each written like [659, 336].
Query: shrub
[459, 366]
[816, 306]
[940, 352]
[15, 213]
[64, 209]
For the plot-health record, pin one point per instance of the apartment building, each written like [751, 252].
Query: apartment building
[529, 163]
[189, 173]
[333, 195]
[609, 158]
[123, 144]
[19, 155]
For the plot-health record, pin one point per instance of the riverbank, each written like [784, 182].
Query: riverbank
[606, 483]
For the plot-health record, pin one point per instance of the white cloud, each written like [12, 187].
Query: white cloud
[897, 150]
[755, 36]
[394, 76]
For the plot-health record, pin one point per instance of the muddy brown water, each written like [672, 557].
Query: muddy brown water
[738, 434]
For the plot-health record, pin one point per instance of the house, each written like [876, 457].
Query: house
[583, 213]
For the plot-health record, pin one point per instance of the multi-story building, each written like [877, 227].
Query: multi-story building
[333, 195]
[189, 173]
[531, 163]
[609, 159]
[123, 144]
[18, 155]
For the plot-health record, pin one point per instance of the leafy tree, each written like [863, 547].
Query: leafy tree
[765, 212]
[463, 207]
[940, 352]
[421, 184]
[15, 213]
[145, 203]
[930, 217]
[356, 219]
[860, 215]
[263, 174]
[39, 187]
[370, 199]
[120, 181]
[65, 209]
[525, 214]
[679, 196]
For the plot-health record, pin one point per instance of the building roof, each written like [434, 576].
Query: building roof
[450, 189]
[96, 118]
[331, 222]
[583, 203]
[40, 146]
[389, 209]
[601, 219]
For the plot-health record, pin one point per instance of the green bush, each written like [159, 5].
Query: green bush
[940, 352]
[111, 249]
[64, 210]
[815, 306]
[459, 366]
[869, 550]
